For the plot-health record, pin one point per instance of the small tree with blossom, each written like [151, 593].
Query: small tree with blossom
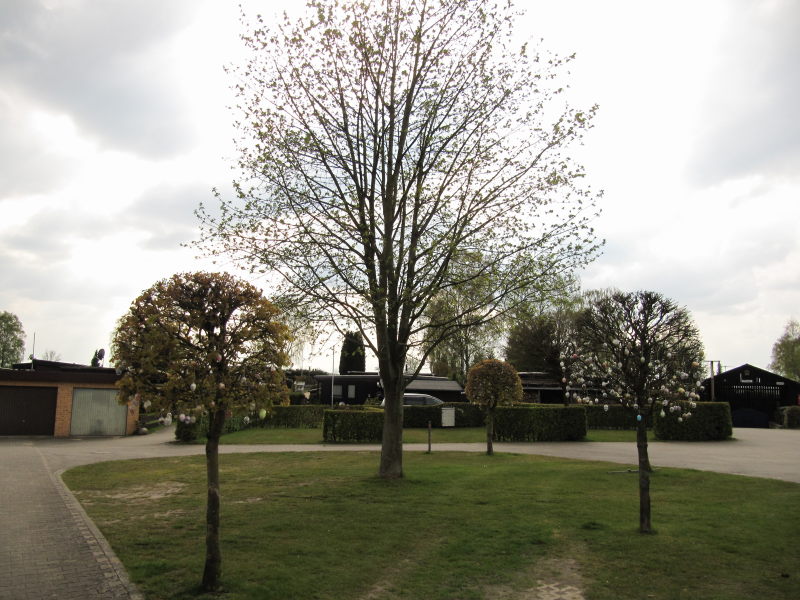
[492, 383]
[644, 352]
[203, 343]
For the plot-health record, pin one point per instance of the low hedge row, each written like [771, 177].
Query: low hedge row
[616, 417]
[709, 421]
[512, 424]
[189, 432]
[539, 423]
[307, 416]
[352, 425]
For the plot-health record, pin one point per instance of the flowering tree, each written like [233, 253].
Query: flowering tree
[644, 352]
[202, 343]
[492, 383]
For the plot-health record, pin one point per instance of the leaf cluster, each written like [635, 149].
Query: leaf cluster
[493, 383]
[201, 340]
[786, 352]
[12, 339]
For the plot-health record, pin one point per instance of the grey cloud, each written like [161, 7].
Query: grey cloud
[750, 122]
[98, 62]
[47, 235]
[27, 166]
[166, 214]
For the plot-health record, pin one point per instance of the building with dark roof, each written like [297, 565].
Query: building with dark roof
[63, 399]
[755, 395]
[355, 388]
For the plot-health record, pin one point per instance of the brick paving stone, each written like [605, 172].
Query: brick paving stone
[48, 546]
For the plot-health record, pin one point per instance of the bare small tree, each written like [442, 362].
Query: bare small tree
[383, 142]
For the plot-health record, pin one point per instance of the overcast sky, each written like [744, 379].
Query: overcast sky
[114, 126]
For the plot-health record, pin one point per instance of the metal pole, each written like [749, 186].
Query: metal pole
[333, 371]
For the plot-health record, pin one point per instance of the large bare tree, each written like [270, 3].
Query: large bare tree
[381, 142]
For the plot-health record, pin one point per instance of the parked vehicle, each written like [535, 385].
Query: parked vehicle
[418, 400]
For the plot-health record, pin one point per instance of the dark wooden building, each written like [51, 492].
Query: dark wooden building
[355, 388]
[754, 394]
[540, 388]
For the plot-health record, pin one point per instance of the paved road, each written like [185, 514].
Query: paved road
[50, 549]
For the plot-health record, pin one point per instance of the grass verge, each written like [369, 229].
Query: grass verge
[467, 526]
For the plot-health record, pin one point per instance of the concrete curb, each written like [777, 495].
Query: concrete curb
[116, 576]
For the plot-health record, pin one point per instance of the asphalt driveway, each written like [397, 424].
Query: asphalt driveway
[49, 548]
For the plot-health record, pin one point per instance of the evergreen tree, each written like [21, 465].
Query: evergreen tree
[353, 355]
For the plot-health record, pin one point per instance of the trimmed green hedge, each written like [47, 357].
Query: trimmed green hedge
[352, 425]
[189, 432]
[709, 421]
[468, 415]
[296, 416]
[539, 423]
[617, 417]
[418, 416]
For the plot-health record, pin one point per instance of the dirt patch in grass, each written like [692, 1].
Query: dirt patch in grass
[381, 590]
[143, 493]
[548, 578]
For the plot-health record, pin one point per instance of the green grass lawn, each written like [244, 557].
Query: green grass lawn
[282, 435]
[465, 526]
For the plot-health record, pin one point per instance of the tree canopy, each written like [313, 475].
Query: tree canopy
[203, 343]
[786, 352]
[383, 144]
[12, 339]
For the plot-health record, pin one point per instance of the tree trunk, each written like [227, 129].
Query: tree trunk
[213, 565]
[391, 465]
[645, 525]
[490, 432]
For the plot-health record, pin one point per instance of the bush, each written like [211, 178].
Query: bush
[791, 417]
[191, 432]
[301, 416]
[468, 415]
[616, 417]
[352, 425]
[418, 416]
[539, 423]
[709, 421]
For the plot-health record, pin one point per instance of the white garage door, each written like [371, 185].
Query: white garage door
[97, 412]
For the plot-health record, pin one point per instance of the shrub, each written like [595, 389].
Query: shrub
[300, 416]
[616, 417]
[418, 416]
[190, 432]
[468, 415]
[791, 417]
[539, 423]
[352, 425]
[708, 421]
